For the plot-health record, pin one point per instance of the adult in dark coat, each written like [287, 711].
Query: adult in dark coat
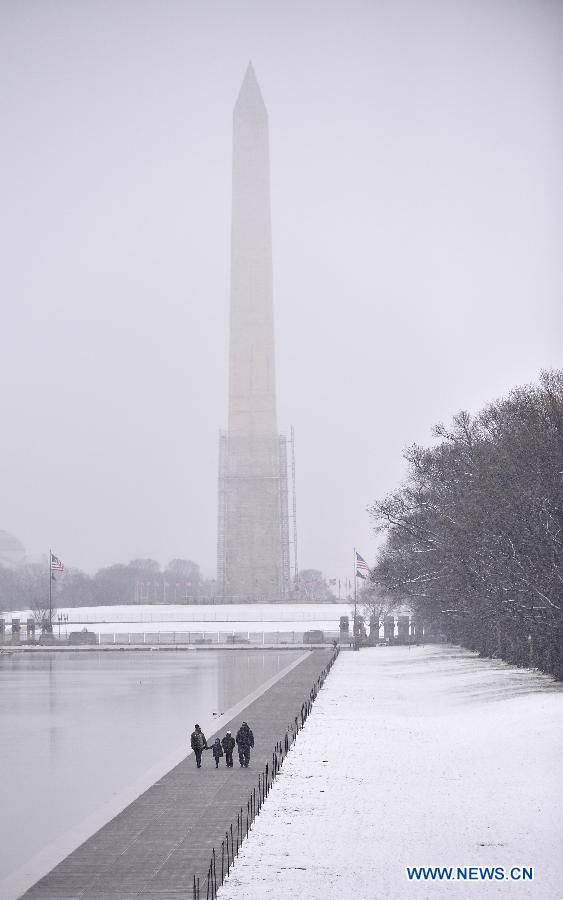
[228, 744]
[245, 740]
[199, 744]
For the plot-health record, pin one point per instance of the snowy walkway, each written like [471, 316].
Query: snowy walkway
[421, 757]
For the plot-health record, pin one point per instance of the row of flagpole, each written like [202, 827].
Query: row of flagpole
[361, 570]
[346, 583]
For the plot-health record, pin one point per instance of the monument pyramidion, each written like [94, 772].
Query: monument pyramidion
[253, 533]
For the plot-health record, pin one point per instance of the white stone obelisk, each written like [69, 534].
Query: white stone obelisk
[252, 542]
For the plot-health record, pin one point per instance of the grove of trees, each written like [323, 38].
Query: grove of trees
[474, 535]
[312, 587]
[140, 581]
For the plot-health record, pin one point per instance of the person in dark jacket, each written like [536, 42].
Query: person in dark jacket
[217, 751]
[199, 744]
[245, 740]
[228, 744]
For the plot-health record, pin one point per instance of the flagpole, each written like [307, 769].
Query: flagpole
[355, 603]
[50, 586]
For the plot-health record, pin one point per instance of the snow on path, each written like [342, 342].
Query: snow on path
[421, 757]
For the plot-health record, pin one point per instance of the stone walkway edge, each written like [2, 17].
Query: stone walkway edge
[220, 862]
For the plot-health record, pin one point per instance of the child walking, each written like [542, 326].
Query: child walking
[217, 751]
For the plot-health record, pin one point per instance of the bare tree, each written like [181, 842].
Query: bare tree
[374, 604]
[313, 587]
[474, 537]
[39, 610]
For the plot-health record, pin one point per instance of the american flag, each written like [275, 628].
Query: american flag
[362, 568]
[56, 564]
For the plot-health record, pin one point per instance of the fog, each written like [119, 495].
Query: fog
[416, 213]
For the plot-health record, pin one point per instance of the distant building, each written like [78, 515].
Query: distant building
[12, 551]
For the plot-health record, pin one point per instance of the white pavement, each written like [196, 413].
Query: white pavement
[421, 757]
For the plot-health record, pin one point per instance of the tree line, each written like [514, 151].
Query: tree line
[140, 581]
[473, 538]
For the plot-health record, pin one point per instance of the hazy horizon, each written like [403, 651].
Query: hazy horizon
[416, 218]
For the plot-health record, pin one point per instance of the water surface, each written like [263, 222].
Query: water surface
[77, 728]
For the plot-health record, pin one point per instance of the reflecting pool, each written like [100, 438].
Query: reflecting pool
[76, 728]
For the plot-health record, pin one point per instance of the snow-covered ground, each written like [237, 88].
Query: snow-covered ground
[420, 757]
[212, 617]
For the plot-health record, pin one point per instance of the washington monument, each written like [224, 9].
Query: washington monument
[253, 546]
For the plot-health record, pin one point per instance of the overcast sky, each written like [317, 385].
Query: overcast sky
[416, 181]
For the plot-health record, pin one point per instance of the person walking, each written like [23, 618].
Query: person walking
[228, 744]
[199, 744]
[245, 740]
[217, 751]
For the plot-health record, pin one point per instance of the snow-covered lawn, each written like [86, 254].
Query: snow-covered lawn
[421, 757]
[202, 617]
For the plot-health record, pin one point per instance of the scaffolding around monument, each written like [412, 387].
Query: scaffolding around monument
[235, 516]
[254, 562]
